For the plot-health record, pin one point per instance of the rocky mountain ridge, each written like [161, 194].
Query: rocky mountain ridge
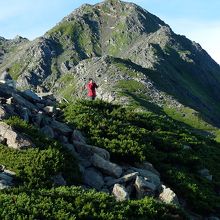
[139, 41]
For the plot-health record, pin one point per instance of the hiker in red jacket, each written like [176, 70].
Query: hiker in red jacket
[91, 86]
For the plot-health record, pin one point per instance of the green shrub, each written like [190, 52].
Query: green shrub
[34, 167]
[76, 203]
[132, 136]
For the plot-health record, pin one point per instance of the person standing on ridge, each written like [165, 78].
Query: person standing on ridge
[91, 87]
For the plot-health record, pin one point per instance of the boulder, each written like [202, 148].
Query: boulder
[10, 110]
[62, 139]
[77, 136]
[71, 149]
[89, 150]
[45, 95]
[48, 131]
[106, 166]
[151, 177]
[10, 101]
[50, 110]
[31, 96]
[124, 179]
[6, 179]
[120, 192]
[147, 166]
[6, 91]
[23, 102]
[110, 179]
[93, 178]
[144, 187]
[61, 127]
[168, 196]
[13, 138]
[84, 162]
[4, 184]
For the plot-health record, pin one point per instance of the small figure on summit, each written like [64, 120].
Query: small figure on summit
[91, 87]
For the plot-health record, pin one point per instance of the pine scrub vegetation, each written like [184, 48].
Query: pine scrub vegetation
[176, 152]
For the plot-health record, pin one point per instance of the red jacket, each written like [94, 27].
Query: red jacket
[91, 89]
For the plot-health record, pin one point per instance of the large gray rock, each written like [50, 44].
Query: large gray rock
[6, 91]
[45, 95]
[4, 184]
[144, 187]
[48, 131]
[168, 196]
[84, 162]
[23, 102]
[30, 95]
[120, 192]
[93, 178]
[106, 167]
[151, 177]
[86, 150]
[71, 149]
[147, 166]
[124, 179]
[6, 178]
[77, 136]
[10, 101]
[50, 110]
[13, 138]
[61, 127]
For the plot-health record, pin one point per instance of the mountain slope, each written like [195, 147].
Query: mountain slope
[174, 65]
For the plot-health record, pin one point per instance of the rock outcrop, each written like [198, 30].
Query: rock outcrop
[168, 196]
[13, 138]
[98, 171]
[6, 177]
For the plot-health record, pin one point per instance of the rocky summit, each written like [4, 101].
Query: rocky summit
[147, 148]
[127, 50]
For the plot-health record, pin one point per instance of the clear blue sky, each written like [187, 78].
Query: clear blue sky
[198, 20]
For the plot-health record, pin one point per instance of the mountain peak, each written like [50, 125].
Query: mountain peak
[113, 2]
